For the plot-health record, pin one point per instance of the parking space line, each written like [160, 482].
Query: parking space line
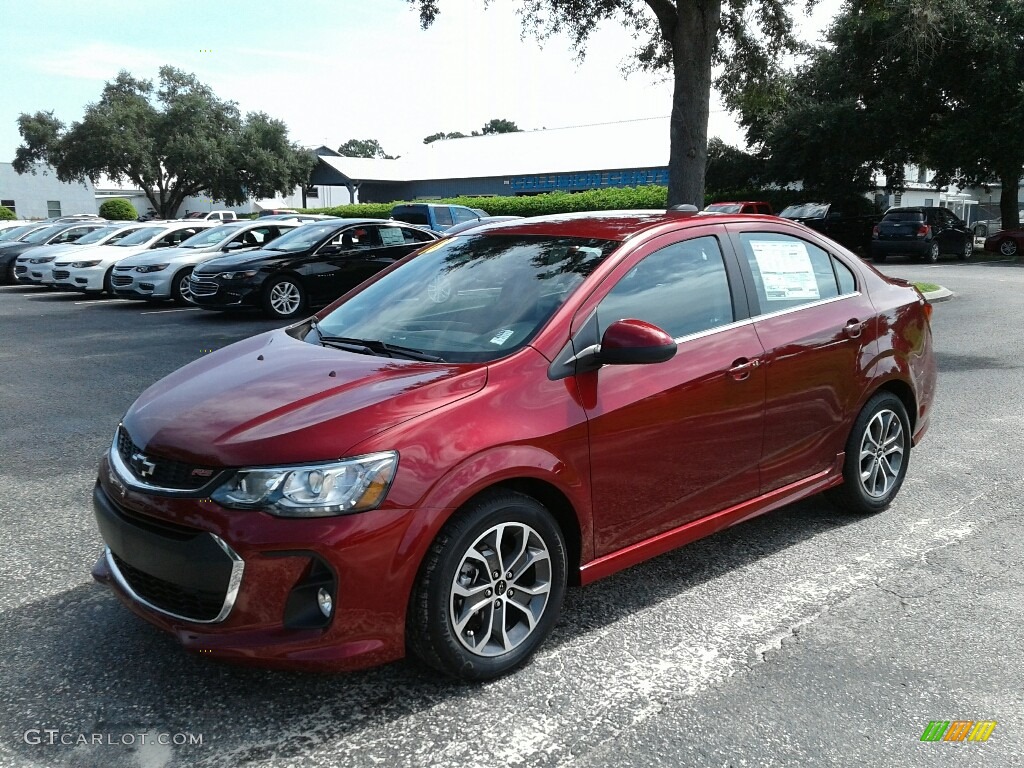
[165, 311]
[99, 302]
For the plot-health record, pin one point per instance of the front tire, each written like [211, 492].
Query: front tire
[284, 298]
[1008, 247]
[933, 253]
[180, 291]
[877, 456]
[968, 250]
[490, 589]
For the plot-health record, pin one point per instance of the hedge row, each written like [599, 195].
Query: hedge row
[614, 199]
[6, 214]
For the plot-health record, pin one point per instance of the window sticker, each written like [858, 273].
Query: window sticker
[392, 236]
[786, 270]
[502, 336]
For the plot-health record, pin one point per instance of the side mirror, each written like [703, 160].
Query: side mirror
[635, 342]
[234, 246]
[331, 250]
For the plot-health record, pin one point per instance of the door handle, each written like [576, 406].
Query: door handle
[854, 328]
[741, 368]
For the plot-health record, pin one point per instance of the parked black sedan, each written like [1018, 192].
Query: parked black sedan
[310, 266]
[922, 233]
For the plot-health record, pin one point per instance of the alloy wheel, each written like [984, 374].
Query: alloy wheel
[933, 252]
[1008, 247]
[881, 453]
[500, 590]
[285, 298]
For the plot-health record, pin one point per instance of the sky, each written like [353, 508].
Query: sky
[335, 70]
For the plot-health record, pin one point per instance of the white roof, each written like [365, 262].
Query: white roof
[605, 146]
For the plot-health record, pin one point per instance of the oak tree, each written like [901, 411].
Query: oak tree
[172, 140]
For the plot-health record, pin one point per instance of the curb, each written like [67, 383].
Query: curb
[943, 294]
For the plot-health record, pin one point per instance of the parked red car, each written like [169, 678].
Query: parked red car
[1009, 242]
[745, 206]
[427, 463]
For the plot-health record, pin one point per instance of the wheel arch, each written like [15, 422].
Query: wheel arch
[904, 392]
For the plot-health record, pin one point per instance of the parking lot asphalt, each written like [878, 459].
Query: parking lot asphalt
[804, 637]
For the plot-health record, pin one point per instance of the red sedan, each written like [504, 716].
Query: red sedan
[1008, 242]
[425, 465]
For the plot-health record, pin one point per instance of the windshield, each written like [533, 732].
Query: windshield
[210, 236]
[140, 236]
[805, 211]
[472, 298]
[44, 234]
[97, 235]
[301, 238]
[724, 208]
[15, 232]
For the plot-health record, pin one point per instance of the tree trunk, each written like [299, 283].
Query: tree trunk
[1009, 210]
[692, 48]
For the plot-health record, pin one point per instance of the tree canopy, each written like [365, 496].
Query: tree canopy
[941, 88]
[364, 148]
[172, 140]
[683, 37]
[441, 136]
[499, 125]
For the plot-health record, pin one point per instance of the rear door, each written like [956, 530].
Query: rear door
[674, 441]
[819, 334]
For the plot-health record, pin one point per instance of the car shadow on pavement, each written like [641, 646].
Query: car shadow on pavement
[80, 665]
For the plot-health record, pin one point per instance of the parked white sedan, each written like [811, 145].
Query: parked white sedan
[34, 266]
[90, 271]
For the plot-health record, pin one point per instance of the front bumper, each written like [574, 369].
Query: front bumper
[147, 285]
[213, 294]
[179, 555]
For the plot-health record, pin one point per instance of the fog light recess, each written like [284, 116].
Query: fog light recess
[326, 602]
[311, 602]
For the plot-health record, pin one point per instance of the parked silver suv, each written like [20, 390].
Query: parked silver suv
[163, 274]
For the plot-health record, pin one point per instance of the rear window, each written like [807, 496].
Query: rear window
[411, 215]
[904, 216]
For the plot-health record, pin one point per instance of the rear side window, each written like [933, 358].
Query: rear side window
[789, 272]
[443, 216]
[682, 289]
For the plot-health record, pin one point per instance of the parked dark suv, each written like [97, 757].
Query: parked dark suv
[922, 233]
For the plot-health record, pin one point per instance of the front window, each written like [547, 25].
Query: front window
[43, 235]
[140, 237]
[210, 237]
[304, 237]
[805, 211]
[473, 298]
[96, 235]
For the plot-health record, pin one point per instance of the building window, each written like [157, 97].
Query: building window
[929, 202]
[53, 208]
[9, 205]
[898, 198]
[312, 191]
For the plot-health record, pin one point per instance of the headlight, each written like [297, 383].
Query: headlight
[237, 275]
[83, 264]
[43, 260]
[314, 490]
[151, 268]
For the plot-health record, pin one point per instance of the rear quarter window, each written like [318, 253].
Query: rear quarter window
[789, 272]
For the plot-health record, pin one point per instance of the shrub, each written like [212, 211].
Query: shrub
[6, 214]
[118, 209]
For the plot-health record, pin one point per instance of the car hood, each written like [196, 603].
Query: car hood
[171, 256]
[254, 259]
[273, 399]
[108, 254]
[52, 250]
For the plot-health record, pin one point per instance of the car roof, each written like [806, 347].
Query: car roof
[613, 225]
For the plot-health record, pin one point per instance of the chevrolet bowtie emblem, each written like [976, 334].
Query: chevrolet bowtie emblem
[143, 467]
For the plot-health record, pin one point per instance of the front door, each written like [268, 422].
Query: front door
[674, 441]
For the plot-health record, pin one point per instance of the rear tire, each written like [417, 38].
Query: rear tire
[1008, 247]
[490, 588]
[877, 456]
[968, 250]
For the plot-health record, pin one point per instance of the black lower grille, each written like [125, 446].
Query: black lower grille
[163, 473]
[202, 287]
[61, 274]
[121, 280]
[20, 270]
[201, 605]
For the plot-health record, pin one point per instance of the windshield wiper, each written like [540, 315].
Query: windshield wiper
[373, 347]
